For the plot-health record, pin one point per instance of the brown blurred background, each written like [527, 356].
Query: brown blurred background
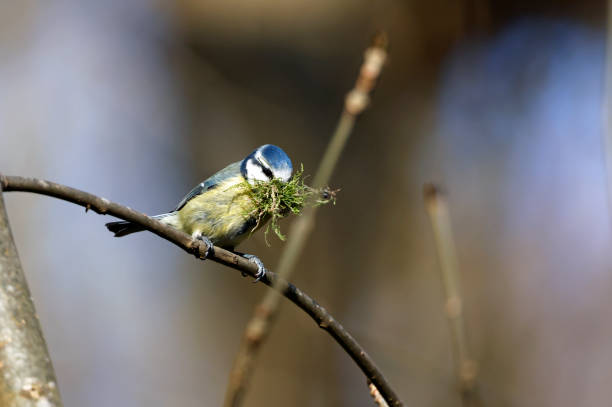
[499, 101]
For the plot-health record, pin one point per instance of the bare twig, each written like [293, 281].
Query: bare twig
[466, 367]
[27, 378]
[198, 248]
[265, 313]
[380, 402]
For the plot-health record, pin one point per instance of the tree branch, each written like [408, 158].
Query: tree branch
[27, 378]
[198, 248]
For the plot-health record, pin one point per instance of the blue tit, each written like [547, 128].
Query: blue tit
[218, 211]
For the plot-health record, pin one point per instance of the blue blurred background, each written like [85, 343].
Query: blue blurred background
[500, 102]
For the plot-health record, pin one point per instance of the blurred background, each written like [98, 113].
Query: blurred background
[498, 101]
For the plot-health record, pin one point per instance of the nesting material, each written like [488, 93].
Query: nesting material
[274, 200]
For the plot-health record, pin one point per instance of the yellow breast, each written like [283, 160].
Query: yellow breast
[223, 213]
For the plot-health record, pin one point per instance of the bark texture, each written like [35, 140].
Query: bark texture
[27, 378]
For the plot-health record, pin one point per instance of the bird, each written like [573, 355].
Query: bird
[217, 211]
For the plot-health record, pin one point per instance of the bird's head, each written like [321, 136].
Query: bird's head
[266, 163]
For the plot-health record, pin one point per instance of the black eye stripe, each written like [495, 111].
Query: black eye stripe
[267, 171]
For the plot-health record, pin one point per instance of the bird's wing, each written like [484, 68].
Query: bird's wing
[211, 182]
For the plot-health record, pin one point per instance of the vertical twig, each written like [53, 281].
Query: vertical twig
[466, 367]
[26, 374]
[263, 318]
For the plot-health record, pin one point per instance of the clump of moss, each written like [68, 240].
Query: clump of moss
[274, 200]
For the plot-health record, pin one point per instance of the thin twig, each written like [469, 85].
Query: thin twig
[198, 248]
[262, 320]
[27, 378]
[380, 402]
[466, 367]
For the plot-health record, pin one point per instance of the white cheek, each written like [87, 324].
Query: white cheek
[254, 172]
[284, 174]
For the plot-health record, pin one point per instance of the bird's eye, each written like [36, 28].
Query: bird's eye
[267, 172]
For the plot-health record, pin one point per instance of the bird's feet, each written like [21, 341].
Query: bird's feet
[207, 241]
[261, 269]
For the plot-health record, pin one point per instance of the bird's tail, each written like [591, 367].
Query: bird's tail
[123, 228]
